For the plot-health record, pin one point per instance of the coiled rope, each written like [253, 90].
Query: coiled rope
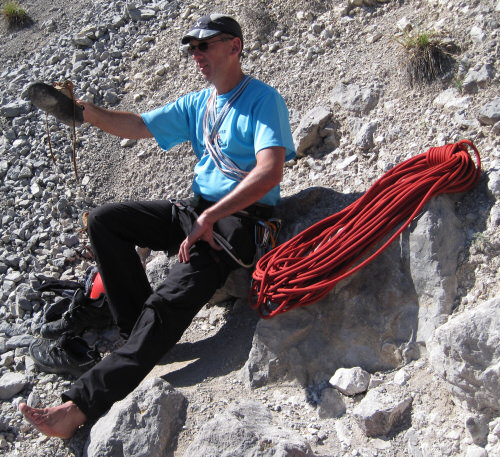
[307, 267]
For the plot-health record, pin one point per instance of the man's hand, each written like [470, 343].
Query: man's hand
[203, 230]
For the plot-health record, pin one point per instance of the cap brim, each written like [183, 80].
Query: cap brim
[200, 34]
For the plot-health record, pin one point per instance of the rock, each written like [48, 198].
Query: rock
[477, 426]
[355, 98]
[245, 429]
[11, 384]
[494, 183]
[19, 341]
[450, 100]
[331, 404]
[380, 411]
[476, 451]
[377, 308]
[433, 262]
[477, 34]
[126, 143]
[364, 138]
[142, 424]
[490, 113]
[476, 79]
[15, 109]
[401, 377]
[306, 135]
[350, 381]
[465, 352]
[83, 41]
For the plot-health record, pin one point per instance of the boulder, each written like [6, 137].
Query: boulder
[142, 424]
[246, 429]
[466, 353]
[375, 318]
[382, 410]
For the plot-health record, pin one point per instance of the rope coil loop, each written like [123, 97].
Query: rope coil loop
[305, 269]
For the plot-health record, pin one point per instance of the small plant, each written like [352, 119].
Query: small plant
[14, 14]
[426, 57]
[458, 83]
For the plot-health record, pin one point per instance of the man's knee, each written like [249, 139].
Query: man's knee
[97, 216]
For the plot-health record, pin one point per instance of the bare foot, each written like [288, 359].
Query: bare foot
[61, 421]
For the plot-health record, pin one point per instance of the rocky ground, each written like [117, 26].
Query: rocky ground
[128, 58]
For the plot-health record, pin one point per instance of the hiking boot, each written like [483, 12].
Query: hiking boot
[68, 355]
[83, 313]
[55, 102]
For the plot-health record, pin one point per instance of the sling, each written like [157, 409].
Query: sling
[225, 164]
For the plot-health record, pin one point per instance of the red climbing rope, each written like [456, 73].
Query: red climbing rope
[306, 268]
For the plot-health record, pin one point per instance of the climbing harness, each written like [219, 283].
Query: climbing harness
[225, 164]
[266, 229]
[307, 267]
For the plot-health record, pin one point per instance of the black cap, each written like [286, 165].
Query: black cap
[212, 25]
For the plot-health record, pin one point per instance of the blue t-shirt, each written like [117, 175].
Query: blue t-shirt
[257, 120]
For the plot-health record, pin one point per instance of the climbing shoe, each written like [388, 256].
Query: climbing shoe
[57, 100]
[68, 355]
[83, 313]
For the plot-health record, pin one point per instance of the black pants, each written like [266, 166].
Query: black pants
[151, 321]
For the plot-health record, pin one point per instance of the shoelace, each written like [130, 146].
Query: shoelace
[65, 88]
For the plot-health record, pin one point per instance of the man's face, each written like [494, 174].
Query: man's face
[211, 56]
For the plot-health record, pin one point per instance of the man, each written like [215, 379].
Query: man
[241, 136]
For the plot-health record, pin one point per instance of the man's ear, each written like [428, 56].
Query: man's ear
[237, 46]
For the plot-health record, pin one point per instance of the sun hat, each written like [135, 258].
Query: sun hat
[212, 25]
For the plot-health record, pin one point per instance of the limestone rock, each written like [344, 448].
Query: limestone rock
[355, 98]
[331, 404]
[307, 135]
[434, 245]
[142, 424]
[246, 430]
[370, 319]
[489, 114]
[11, 384]
[380, 411]
[465, 352]
[15, 109]
[350, 381]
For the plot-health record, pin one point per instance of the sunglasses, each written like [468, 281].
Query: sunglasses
[203, 46]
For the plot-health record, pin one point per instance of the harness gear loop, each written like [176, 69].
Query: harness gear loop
[305, 269]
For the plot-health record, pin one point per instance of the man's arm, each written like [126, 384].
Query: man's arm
[119, 123]
[267, 174]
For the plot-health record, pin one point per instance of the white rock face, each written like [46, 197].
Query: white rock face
[143, 424]
[466, 352]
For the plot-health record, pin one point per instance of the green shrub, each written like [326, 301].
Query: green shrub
[426, 57]
[14, 14]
